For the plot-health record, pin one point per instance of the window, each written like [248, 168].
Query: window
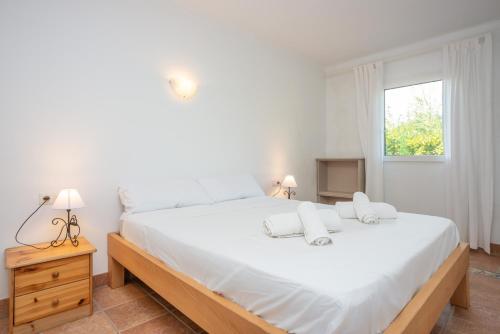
[414, 122]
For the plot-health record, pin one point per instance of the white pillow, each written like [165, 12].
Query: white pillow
[167, 194]
[226, 188]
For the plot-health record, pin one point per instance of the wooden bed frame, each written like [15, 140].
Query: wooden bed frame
[215, 314]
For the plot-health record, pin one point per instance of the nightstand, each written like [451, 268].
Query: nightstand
[49, 287]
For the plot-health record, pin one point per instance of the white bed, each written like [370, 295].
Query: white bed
[356, 285]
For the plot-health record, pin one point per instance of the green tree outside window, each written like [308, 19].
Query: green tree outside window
[413, 120]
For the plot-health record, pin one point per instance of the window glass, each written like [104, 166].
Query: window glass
[414, 120]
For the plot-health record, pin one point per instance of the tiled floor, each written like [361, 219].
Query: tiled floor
[131, 309]
[135, 309]
[483, 317]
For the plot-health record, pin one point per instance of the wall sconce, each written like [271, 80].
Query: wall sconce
[182, 87]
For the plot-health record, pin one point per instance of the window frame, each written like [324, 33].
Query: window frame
[419, 158]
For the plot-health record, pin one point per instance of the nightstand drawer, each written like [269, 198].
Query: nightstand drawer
[49, 274]
[40, 304]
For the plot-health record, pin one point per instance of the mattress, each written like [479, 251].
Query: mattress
[358, 284]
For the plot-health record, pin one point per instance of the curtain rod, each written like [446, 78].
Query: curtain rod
[416, 49]
[349, 67]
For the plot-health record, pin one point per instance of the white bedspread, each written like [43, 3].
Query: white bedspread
[358, 284]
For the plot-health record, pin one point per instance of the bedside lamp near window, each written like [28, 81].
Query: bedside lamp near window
[69, 199]
[289, 182]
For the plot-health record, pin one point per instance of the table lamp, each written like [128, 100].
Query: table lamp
[289, 182]
[68, 199]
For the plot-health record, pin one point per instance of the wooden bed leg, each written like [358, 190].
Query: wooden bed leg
[461, 295]
[116, 273]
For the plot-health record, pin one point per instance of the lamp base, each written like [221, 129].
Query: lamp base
[289, 193]
[66, 229]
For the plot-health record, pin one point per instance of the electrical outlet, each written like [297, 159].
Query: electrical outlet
[42, 197]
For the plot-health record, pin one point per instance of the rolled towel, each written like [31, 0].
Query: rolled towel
[383, 210]
[315, 231]
[289, 224]
[364, 211]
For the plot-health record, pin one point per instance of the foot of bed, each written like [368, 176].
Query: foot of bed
[116, 273]
[461, 295]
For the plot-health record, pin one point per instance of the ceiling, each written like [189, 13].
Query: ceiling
[334, 31]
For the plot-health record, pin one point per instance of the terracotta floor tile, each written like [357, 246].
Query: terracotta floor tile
[437, 330]
[162, 301]
[166, 324]
[485, 302]
[460, 325]
[454, 331]
[483, 283]
[190, 323]
[443, 320]
[485, 294]
[135, 312]
[96, 306]
[143, 285]
[448, 310]
[97, 323]
[481, 260]
[106, 297]
[177, 313]
[483, 315]
[478, 315]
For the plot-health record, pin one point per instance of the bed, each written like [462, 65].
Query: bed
[216, 265]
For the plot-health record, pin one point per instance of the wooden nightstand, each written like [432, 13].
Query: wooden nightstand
[49, 287]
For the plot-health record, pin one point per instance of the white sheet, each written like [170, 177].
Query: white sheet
[358, 285]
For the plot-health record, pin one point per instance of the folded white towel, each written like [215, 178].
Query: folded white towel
[364, 211]
[289, 224]
[315, 231]
[383, 210]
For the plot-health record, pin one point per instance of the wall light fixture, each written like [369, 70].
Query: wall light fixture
[183, 87]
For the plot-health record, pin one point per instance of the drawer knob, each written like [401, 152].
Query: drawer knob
[35, 300]
[55, 302]
[55, 274]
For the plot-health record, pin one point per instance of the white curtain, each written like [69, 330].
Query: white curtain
[369, 80]
[468, 102]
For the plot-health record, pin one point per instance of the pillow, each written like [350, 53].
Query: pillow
[226, 188]
[174, 193]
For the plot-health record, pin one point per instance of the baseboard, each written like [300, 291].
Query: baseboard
[495, 249]
[97, 281]
[100, 280]
[4, 308]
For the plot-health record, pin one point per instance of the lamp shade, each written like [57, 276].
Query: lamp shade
[289, 182]
[68, 199]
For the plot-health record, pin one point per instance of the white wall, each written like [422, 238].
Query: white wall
[84, 102]
[411, 186]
